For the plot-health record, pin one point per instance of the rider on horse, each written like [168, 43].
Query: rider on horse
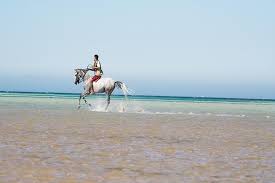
[96, 67]
[104, 85]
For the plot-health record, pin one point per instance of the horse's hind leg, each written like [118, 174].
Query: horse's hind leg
[109, 93]
[108, 101]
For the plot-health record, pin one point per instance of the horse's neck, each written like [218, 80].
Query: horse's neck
[87, 76]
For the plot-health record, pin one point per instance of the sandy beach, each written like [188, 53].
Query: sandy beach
[84, 146]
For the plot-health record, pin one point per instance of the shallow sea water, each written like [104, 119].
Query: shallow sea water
[144, 104]
[48, 140]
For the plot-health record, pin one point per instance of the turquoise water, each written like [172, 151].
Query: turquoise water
[143, 104]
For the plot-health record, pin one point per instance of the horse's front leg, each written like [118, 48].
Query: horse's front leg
[86, 93]
[79, 100]
[84, 97]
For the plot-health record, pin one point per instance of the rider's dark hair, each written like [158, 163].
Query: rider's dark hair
[96, 57]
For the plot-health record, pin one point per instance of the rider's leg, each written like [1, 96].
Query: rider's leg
[92, 87]
[94, 79]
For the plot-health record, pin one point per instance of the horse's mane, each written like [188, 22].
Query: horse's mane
[83, 74]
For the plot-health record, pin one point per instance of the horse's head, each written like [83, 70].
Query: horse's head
[79, 75]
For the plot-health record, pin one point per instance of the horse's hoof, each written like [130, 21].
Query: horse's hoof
[78, 107]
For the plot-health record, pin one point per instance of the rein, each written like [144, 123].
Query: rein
[85, 72]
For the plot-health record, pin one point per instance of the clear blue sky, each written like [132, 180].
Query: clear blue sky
[215, 48]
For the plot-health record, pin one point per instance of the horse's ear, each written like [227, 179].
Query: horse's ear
[76, 71]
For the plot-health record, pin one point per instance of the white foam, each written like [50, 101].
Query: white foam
[231, 115]
[121, 107]
[132, 106]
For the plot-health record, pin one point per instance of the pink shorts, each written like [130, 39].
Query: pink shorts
[94, 78]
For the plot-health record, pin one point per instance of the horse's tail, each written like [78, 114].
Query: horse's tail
[123, 87]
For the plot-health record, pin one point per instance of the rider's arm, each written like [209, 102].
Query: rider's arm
[98, 65]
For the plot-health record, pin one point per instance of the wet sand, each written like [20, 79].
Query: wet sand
[83, 146]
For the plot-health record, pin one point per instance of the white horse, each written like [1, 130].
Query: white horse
[103, 85]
